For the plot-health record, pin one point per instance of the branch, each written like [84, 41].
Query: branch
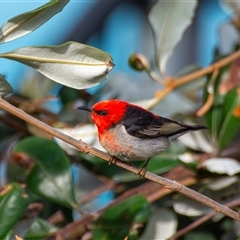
[83, 147]
[202, 220]
[173, 83]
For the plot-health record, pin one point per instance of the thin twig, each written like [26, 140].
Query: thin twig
[83, 147]
[173, 83]
[202, 220]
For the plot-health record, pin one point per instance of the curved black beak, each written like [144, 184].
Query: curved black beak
[85, 108]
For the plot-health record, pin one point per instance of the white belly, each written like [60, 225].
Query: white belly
[120, 144]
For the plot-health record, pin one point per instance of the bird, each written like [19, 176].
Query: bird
[129, 132]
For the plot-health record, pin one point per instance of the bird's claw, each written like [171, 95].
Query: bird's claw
[142, 171]
[112, 160]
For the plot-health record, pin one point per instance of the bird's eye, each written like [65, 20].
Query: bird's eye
[102, 113]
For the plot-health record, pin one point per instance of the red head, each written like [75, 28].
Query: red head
[107, 113]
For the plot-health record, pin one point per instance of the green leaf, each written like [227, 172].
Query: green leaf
[5, 87]
[27, 22]
[169, 20]
[222, 124]
[116, 221]
[8, 236]
[231, 123]
[12, 207]
[72, 64]
[39, 230]
[50, 177]
[214, 116]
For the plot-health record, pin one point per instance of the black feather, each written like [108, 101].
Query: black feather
[141, 123]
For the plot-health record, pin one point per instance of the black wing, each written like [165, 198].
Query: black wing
[143, 124]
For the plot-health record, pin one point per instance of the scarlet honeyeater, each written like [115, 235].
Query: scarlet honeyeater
[130, 132]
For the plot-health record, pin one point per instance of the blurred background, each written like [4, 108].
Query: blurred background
[120, 28]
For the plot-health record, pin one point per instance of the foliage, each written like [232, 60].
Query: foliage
[50, 190]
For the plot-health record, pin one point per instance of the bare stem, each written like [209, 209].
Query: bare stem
[201, 220]
[83, 147]
[173, 83]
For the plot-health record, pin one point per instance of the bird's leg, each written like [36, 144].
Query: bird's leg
[112, 160]
[143, 169]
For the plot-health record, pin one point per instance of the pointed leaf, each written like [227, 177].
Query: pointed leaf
[189, 207]
[222, 182]
[231, 123]
[71, 64]
[12, 207]
[215, 114]
[118, 219]
[50, 177]
[27, 22]
[5, 87]
[8, 236]
[39, 230]
[169, 20]
[227, 166]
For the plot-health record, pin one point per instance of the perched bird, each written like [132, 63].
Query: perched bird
[130, 132]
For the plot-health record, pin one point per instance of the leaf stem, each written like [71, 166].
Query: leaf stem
[174, 83]
[83, 147]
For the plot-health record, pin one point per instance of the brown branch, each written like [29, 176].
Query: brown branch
[202, 220]
[211, 68]
[173, 83]
[83, 147]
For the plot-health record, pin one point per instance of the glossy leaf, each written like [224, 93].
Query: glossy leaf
[169, 20]
[39, 230]
[197, 141]
[5, 87]
[72, 64]
[222, 123]
[118, 219]
[222, 182]
[8, 236]
[188, 207]
[161, 225]
[50, 177]
[219, 165]
[231, 123]
[215, 114]
[27, 22]
[12, 207]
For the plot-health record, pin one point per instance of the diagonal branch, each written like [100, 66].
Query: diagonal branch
[173, 83]
[83, 147]
[202, 220]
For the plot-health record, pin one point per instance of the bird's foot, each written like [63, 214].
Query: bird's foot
[112, 160]
[142, 172]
